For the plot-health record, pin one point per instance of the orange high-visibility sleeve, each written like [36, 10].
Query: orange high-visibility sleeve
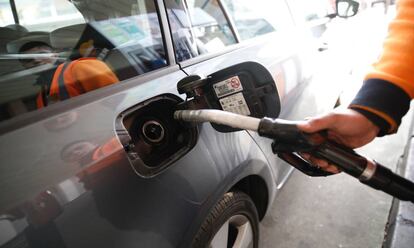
[385, 96]
[396, 63]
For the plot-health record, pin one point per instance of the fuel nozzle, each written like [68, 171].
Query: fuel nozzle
[289, 141]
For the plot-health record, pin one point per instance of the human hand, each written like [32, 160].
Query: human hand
[345, 126]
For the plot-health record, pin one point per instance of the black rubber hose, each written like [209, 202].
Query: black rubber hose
[370, 173]
[386, 180]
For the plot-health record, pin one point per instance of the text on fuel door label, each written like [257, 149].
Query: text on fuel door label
[228, 86]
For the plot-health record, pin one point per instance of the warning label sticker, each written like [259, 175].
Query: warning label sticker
[235, 104]
[228, 86]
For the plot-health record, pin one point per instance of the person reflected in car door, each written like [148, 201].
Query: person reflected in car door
[68, 79]
[62, 81]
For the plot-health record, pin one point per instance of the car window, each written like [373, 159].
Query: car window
[6, 14]
[38, 15]
[199, 27]
[259, 17]
[62, 49]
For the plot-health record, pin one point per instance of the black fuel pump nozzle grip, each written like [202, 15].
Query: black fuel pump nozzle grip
[289, 140]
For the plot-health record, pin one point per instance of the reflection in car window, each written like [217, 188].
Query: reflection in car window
[70, 48]
[259, 17]
[47, 15]
[6, 14]
[204, 30]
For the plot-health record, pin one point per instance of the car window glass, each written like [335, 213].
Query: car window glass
[6, 14]
[204, 30]
[259, 17]
[63, 49]
[48, 14]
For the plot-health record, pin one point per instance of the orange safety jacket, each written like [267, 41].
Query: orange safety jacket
[75, 78]
[385, 96]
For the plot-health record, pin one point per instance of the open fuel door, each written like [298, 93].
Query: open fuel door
[247, 89]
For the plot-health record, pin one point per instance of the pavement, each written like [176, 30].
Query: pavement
[399, 232]
[338, 211]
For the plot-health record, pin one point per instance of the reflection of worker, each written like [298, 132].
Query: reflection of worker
[69, 79]
[36, 47]
[385, 96]
[75, 78]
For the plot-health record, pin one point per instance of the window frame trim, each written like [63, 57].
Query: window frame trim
[230, 21]
[14, 11]
[166, 32]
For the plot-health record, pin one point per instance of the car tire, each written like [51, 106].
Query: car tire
[233, 222]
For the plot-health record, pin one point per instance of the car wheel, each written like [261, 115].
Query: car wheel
[233, 222]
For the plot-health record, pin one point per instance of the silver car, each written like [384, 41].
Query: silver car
[90, 155]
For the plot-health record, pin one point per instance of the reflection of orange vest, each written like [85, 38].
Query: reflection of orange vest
[109, 148]
[75, 78]
[104, 157]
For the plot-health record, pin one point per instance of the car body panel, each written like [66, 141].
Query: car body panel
[22, 179]
[53, 193]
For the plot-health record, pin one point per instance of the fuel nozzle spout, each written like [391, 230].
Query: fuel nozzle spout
[218, 117]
